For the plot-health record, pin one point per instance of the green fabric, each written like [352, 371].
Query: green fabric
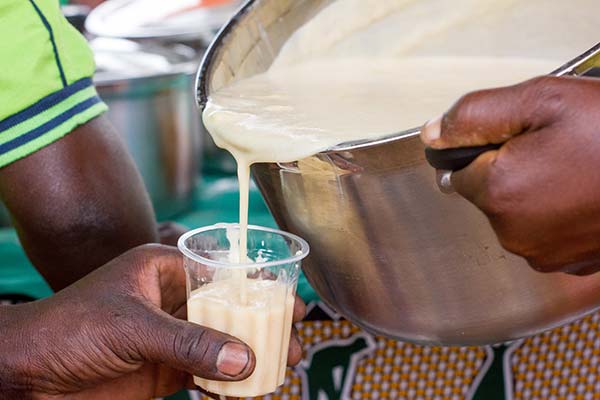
[27, 59]
[52, 135]
[40, 57]
[75, 55]
[52, 112]
[17, 275]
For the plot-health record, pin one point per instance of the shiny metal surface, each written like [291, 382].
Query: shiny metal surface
[248, 44]
[244, 49]
[390, 251]
[581, 64]
[155, 115]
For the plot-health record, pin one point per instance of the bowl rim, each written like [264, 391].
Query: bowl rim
[201, 83]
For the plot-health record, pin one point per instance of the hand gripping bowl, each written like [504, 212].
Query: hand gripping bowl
[390, 251]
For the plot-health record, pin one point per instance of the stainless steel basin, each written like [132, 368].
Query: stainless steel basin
[389, 251]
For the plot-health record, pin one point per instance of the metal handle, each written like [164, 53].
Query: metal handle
[456, 158]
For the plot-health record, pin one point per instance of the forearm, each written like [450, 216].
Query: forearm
[78, 203]
[67, 253]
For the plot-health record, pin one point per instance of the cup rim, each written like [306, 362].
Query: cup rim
[300, 255]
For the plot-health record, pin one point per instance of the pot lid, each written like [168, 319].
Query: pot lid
[118, 59]
[148, 19]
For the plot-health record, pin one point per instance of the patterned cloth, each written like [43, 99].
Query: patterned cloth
[561, 364]
[343, 362]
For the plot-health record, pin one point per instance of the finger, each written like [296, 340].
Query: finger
[471, 181]
[584, 271]
[189, 384]
[579, 268]
[159, 275]
[295, 349]
[185, 346]
[207, 393]
[163, 264]
[172, 282]
[167, 261]
[168, 380]
[496, 115]
[299, 309]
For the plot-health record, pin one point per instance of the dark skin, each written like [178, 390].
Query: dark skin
[78, 203]
[541, 189]
[117, 334]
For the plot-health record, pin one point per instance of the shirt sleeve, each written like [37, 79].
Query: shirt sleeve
[46, 70]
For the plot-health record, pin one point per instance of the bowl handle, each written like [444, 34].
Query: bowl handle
[457, 158]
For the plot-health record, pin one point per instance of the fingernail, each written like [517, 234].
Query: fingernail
[432, 130]
[232, 359]
[444, 181]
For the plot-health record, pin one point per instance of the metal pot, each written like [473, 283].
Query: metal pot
[389, 251]
[149, 93]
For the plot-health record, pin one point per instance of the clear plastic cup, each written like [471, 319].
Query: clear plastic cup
[253, 301]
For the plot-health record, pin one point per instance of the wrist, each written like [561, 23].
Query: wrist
[15, 348]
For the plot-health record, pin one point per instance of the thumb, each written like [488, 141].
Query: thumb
[496, 115]
[198, 350]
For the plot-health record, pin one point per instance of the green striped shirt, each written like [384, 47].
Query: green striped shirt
[46, 68]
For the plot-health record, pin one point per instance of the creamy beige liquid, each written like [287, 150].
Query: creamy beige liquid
[263, 321]
[237, 240]
[285, 115]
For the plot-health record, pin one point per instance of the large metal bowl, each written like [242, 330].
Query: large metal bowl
[389, 251]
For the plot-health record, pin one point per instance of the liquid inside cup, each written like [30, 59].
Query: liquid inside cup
[253, 302]
[263, 322]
